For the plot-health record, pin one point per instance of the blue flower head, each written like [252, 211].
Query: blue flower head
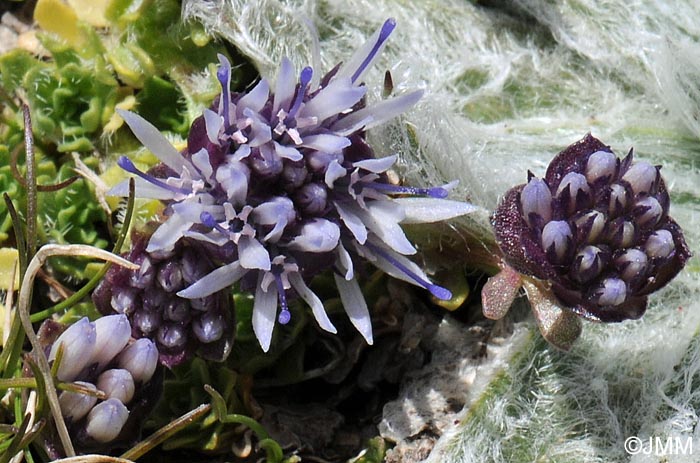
[282, 184]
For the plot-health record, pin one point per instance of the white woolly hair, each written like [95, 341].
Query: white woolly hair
[506, 89]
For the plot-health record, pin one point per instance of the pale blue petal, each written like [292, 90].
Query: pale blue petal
[142, 189]
[314, 302]
[269, 212]
[352, 222]
[355, 306]
[335, 98]
[152, 139]
[213, 123]
[242, 152]
[377, 113]
[234, 176]
[383, 217]
[264, 311]
[214, 238]
[345, 262]
[260, 131]
[192, 211]
[252, 254]
[288, 152]
[255, 99]
[378, 165]
[326, 143]
[334, 171]
[200, 159]
[221, 278]
[319, 235]
[168, 233]
[429, 210]
[276, 212]
[345, 128]
[285, 86]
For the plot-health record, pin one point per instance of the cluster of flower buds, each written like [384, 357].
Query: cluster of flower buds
[113, 378]
[148, 297]
[282, 184]
[597, 228]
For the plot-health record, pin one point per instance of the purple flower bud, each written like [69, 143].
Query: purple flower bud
[209, 327]
[642, 177]
[621, 233]
[140, 359]
[294, 175]
[143, 277]
[177, 310]
[117, 384]
[311, 198]
[146, 321]
[588, 263]
[203, 304]
[536, 200]
[648, 211]
[106, 420]
[154, 298]
[589, 226]
[75, 405]
[170, 277]
[557, 240]
[193, 266]
[617, 200]
[78, 346]
[660, 244]
[601, 166]
[573, 192]
[266, 163]
[124, 301]
[112, 335]
[632, 263]
[611, 292]
[171, 336]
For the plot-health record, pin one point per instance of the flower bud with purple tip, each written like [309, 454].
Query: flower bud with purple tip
[597, 228]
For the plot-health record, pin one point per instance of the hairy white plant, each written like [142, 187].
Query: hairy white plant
[507, 87]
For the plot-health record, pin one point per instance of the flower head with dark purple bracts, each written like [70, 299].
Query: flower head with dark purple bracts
[597, 228]
[281, 184]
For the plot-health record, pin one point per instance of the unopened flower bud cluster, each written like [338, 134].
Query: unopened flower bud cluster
[148, 297]
[102, 356]
[597, 227]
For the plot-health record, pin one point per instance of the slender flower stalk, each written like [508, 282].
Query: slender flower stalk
[280, 183]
